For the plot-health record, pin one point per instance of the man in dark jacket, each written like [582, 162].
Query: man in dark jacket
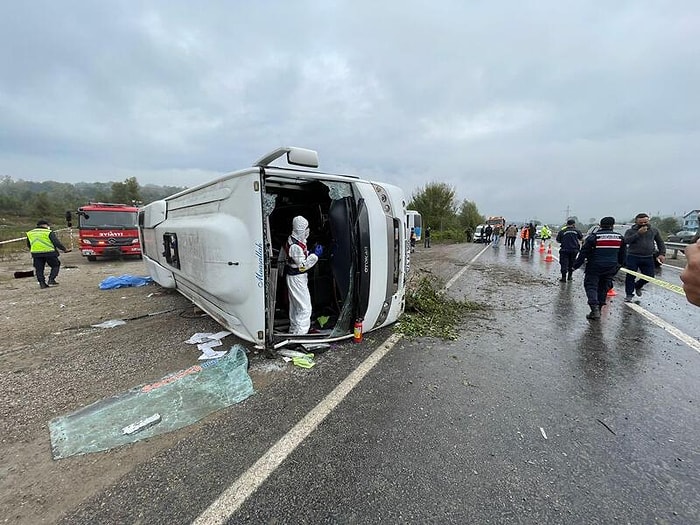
[641, 240]
[604, 254]
[44, 245]
[569, 239]
[533, 234]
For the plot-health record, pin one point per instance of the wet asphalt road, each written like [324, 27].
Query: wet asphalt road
[534, 415]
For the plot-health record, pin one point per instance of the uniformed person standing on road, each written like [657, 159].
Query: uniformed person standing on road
[44, 245]
[604, 254]
[569, 239]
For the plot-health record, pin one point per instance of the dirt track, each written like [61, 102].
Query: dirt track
[52, 362]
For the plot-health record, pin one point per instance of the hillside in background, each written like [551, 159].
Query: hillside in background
[51, 199]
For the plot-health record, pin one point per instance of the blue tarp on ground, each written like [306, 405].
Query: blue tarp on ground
[180, 399]
[124, 281]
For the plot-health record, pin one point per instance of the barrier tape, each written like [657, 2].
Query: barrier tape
[658, 282]
[25, 238]
[13, 240]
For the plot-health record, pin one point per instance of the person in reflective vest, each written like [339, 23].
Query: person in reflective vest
[545, 233]
[297, 263]
[525, 239]
[44, 245]
[604, 253]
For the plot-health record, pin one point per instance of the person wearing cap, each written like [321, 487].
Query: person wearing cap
[297, 263]
[44, 245]
[604, 254]
[642, 239]
[569, 239]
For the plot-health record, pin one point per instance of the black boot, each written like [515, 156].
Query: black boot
[43, 285]
[570, 276]
[563, 278]
[594, 313]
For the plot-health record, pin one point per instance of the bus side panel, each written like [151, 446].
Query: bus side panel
[212, 243]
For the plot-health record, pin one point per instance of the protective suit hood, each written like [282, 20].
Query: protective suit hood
[300, 228]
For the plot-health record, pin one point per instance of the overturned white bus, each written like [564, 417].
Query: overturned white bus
[220, 244]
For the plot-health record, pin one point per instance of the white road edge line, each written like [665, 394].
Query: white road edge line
[465, 268]
[235, 495]
[683, 337]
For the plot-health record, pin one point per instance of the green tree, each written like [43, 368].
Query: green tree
[469, 216]
[437, 205]
[41, 205]
[666, 225]
[126, 192]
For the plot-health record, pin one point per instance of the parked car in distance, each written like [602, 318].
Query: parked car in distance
[479, 235]
[685, 236]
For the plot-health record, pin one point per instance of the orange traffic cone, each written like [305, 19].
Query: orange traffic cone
[548, 257]
[612, 292]
[541, 246]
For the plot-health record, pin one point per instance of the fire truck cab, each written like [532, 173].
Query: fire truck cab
[107, 230]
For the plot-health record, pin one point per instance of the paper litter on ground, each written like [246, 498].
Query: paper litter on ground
[202, 337]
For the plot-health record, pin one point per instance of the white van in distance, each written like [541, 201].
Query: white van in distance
[220, 245]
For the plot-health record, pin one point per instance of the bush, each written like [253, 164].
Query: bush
[431, 312]
[448, 236]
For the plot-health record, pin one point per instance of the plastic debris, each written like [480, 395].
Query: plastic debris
[182, 398]
[286, 352]
[141, 425]
[109, 324]
[124, 281]
[306, 361]
[543, 434]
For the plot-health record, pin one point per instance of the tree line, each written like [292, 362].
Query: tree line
[450, 219]
[51, 199]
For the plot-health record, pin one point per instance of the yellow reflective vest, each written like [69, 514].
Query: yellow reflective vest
[39, 241]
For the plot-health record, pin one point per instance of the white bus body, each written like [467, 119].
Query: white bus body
[414, 221]
[219, 245]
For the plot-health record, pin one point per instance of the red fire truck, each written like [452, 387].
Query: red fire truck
[107, 230]
[496, 220]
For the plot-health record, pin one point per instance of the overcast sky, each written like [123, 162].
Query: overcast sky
[526, 108]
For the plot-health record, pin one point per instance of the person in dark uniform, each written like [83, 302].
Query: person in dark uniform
[44, 245]
[533, 232]
[426, 238]
[604, 254]
[569, 239]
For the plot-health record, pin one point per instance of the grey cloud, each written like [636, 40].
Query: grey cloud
[502, 100]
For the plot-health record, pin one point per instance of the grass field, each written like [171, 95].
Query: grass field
[16, 229]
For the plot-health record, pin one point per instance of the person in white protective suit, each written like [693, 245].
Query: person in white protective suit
[298, 262]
